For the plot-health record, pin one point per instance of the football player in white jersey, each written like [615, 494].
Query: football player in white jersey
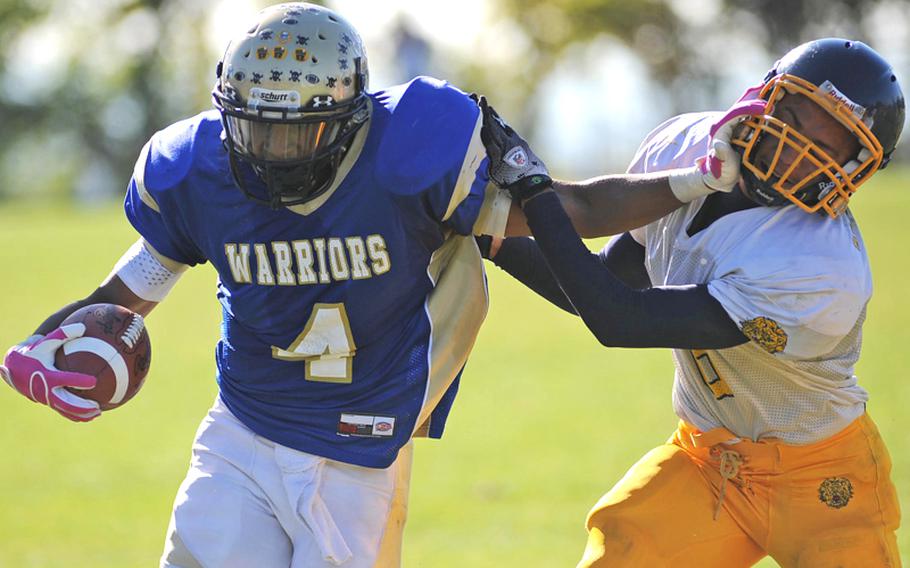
[761, 293]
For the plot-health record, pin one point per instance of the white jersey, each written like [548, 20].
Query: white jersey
[796, 284]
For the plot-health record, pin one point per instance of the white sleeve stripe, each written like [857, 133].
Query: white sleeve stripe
[139, 177]
[473, 156]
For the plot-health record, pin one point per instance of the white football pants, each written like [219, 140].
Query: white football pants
[248, 502]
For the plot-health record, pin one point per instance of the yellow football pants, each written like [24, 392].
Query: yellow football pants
[702, 501]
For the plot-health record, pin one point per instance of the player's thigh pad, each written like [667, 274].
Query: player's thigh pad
[661, 513]
[836, 505]
[221, 516]
[343, 508]
[247, 501]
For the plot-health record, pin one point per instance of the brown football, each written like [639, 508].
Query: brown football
[115, 349]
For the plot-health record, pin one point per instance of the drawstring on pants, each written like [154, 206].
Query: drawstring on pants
[730, 462]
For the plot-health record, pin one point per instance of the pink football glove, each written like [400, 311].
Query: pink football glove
[29, 368]
[719, 170]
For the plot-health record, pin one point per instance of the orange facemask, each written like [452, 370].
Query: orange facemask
[813, 180]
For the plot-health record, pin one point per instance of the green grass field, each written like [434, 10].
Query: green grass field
[546, 422]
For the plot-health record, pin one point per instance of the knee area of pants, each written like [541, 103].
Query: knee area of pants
[846, 551]
[612, 542]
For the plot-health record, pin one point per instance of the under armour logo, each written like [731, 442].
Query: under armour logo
[326, 101]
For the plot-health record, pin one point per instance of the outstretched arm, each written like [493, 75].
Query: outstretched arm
[608, 205]
[683, 317]
[614, 204]
[522, 258]
[686, 317]
[610, 290]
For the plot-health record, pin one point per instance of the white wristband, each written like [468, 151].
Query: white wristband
[144, 274]
[688, 184]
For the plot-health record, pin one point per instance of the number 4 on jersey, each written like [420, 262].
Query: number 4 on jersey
[326, 344]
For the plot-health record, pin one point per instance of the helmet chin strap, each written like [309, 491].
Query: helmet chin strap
[761, 192]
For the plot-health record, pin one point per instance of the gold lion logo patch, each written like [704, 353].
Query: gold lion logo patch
[835, 492]
[766, 332]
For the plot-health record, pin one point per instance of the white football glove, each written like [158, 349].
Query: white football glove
[719, 170]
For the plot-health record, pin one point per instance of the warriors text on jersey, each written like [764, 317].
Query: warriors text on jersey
[796, 284]
[347, 320]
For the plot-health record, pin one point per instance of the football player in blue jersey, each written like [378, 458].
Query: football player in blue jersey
[340, 223]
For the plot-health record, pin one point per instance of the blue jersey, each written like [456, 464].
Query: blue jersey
[347, 322]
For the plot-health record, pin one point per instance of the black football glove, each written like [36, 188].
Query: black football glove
[513, 165]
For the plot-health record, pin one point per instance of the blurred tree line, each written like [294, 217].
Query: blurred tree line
[84, 83]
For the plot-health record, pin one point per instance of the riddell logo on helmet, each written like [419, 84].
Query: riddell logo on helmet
[829, 89]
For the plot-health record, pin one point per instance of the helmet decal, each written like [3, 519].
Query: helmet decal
[289, 99]
[292, 98]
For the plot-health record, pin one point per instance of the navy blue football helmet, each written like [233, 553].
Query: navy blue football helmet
[853, 84]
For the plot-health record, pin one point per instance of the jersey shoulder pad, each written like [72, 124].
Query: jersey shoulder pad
[172, 152]
[675, 143]
[428, 132]
[787, 248]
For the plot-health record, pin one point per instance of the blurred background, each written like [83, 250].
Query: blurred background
[84, 83]
[547, 420]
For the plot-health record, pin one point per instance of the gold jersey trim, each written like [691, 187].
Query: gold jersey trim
[473, 156]
[456, 307]
[139, 178]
